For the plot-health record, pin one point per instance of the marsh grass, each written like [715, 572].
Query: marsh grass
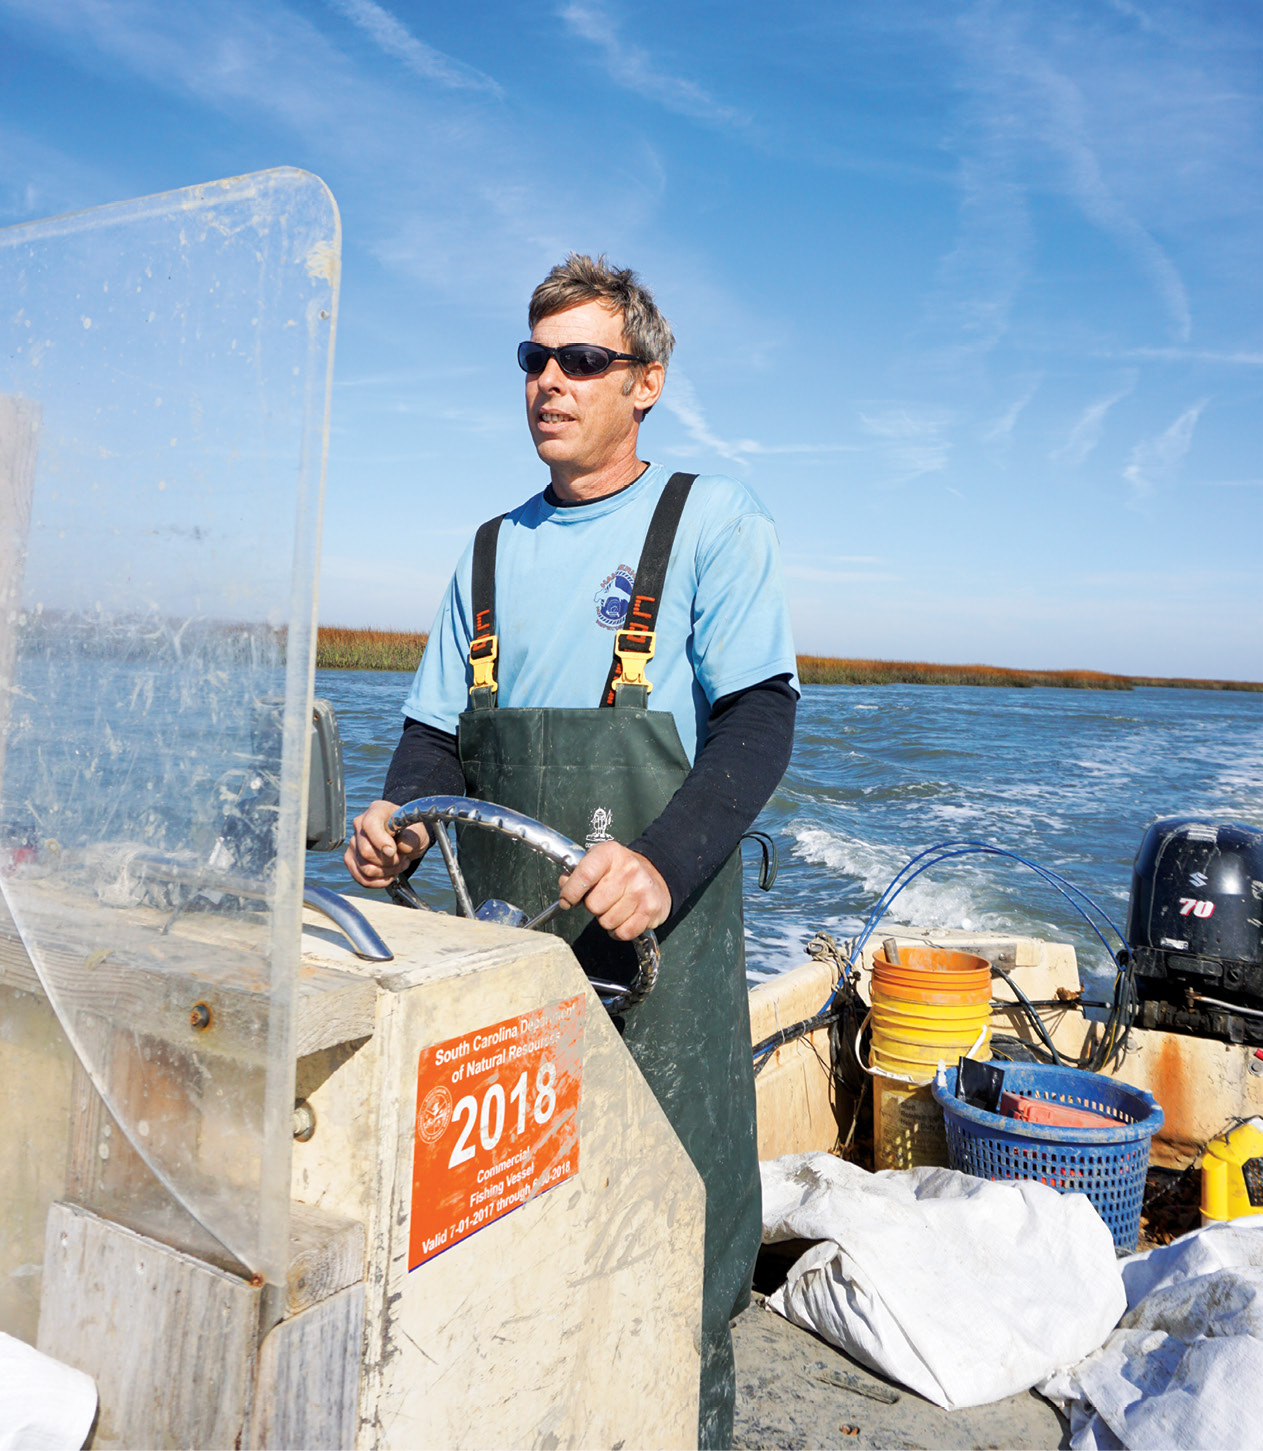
[339, 648]
[823, 670]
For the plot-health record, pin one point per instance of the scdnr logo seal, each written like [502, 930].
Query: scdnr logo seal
[613, 596]
[434, 1114]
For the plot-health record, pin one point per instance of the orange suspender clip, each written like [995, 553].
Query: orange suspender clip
[634, 648]
[482, 660]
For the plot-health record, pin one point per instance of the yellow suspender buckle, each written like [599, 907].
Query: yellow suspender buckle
[482, 659]
[634, 649]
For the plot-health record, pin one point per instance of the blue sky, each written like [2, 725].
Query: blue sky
[968, 293]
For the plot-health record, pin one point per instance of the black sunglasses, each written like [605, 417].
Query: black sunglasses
[576, 360]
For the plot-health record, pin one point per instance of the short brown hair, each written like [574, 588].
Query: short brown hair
[579, 279]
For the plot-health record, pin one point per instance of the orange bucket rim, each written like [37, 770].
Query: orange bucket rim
[968, 961]
[978, 999]
[880, 966]
[911, 974]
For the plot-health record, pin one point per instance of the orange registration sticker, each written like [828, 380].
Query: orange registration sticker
[497, 1123]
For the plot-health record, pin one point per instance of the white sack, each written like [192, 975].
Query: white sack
[1185, 1366]
[44, 1405]
[964, 1290]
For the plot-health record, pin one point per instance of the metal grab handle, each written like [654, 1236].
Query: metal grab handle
[461, 810]
[363, 936]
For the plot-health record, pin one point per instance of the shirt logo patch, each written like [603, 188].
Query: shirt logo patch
[613, 596]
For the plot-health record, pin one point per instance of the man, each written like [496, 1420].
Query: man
[534, 692]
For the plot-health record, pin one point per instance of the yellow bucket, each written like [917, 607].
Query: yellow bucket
[933, 1006]
[913, 1046]
[929, 1030]
[919, 1060]
[893, 1011]
[907, 1126]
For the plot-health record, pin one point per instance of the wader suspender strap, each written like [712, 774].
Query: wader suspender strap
[634, 644]
[485, 646]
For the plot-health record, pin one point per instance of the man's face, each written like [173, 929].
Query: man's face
[581, 426]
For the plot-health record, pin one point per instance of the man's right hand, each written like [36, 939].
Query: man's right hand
[374, 856]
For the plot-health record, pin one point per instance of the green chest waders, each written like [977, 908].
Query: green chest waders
[607, 773]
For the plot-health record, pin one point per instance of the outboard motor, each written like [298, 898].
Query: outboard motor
[1195, 925]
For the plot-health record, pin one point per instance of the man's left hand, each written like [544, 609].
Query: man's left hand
[623, 890]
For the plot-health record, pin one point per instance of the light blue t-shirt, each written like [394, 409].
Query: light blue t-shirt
[563, 584]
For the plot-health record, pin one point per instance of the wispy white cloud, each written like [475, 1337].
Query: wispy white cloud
[681, 400]
[1086, 433]
[230, 56]
[911, 440]
[1156, 461]
[1132, 12]
[981, 277]
[1066, 131]
[448, 194]
[422, 59]
[633, 68]
[1242, 358]
[1003, 426]
[1026, 111]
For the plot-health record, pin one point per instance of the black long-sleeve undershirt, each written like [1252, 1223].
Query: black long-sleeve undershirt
[425, 763]
[749, 737]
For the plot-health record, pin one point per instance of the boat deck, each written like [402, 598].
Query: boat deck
[794, 1390]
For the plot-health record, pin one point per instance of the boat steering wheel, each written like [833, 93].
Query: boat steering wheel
[433, 810]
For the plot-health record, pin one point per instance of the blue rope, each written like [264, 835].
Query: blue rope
[945, 851]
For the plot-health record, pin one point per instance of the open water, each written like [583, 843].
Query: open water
[1068, 778]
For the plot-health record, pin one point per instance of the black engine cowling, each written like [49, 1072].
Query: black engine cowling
[1195, 925]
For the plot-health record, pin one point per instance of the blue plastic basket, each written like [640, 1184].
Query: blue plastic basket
[1108, 1164]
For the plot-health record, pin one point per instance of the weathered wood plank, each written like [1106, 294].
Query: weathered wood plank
[36, 1065]
[173, 1342]
[81, 944]
[308, 1377]
[326, 1256]
[16, 969]
[170, 1341]
[333, 1007]
[106, 1175]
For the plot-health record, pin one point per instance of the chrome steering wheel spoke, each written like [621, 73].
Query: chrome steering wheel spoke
[438, 812]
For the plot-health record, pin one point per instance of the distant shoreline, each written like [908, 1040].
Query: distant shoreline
[338, 648]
